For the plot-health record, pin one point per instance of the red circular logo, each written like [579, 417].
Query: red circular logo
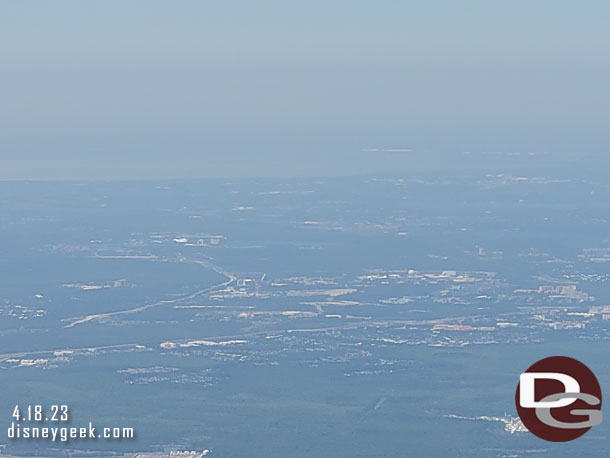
[559, 399]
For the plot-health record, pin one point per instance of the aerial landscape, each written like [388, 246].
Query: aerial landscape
[312, 229]
[170, 306]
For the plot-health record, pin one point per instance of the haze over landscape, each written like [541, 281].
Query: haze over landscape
[282, 229]
[157, 90]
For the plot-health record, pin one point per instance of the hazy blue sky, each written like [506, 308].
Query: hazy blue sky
[196, 88]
